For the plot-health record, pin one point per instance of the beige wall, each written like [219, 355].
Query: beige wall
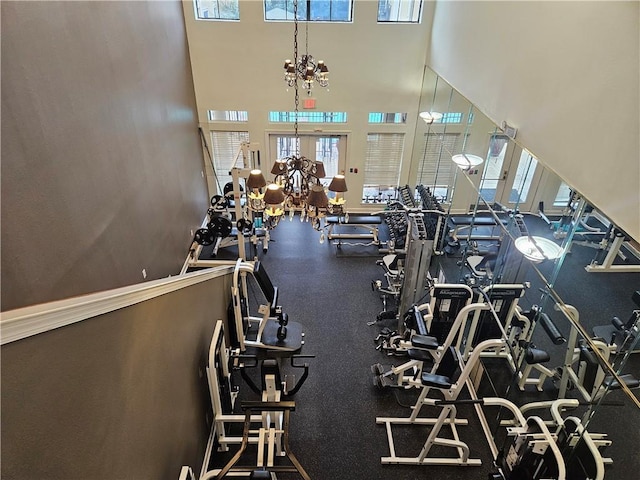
[120, 396]
[373, 68]
[566, 74]
[101, 161]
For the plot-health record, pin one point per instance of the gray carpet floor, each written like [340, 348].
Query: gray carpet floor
[333, 430]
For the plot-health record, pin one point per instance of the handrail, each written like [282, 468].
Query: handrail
[32, 320]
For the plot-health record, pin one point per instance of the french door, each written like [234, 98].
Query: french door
[329, 149]
[511, 175]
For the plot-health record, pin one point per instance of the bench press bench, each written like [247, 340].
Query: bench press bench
[457, 223]
[368, 223]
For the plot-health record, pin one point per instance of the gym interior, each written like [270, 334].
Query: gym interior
[419, 262]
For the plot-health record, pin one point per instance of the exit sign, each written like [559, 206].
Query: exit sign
[309, 103]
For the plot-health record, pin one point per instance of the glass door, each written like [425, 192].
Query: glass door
[492, 183]
[329, 149]
[511, 174]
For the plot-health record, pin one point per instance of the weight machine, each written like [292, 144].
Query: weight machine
[271, 412]
[274, 331]
[581, 369]
[532, 450]
[449, 378]
[235, 215]
[422, 348]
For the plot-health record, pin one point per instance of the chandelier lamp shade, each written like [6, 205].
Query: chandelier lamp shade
[274, 199]
[299, 178]
[305, 68]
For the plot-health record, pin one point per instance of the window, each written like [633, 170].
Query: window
[216, 9]
[382, 166]
[224, 148]
[228, 116]
[436, 170]
[377, 117]
[563, 196]
[407, 11]
[308, 117]
[524, 176]
[318, 11]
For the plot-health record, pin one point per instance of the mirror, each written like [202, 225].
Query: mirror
[516, 233]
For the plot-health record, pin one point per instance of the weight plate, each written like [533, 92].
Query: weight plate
[244, 225]
[203, 237]
[220, 226]
[228, 189]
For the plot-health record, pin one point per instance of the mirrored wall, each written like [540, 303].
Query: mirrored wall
[517, 233]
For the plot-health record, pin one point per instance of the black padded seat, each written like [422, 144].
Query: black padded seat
[419, 354]
[468, 220]
[260, 475]
[292, 342]
[437, 381]
[446, 373]
[355, 220]
[629, 380]
[424, 341]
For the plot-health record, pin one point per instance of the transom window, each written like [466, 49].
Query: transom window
[405, 11]
[377, 117]
[308, 117]
[228, 116]
[216, 9]
[309, 10]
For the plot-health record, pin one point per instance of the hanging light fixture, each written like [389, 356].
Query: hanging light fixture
[306, 68]
[467, 161]
[538, 249]
[430, 117]
[299, 177]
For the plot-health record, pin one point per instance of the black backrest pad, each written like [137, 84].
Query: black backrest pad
[448, 302]
[449, 365]
[270, 292]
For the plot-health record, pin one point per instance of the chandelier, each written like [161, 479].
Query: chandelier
[306, 68]
[297, 184]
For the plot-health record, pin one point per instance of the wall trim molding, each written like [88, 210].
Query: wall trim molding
[28, 321]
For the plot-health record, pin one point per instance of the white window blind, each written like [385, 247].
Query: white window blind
[384, 156]
[436, 167]
[224, 148]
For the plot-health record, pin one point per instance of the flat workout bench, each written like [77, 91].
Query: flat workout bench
[366, 222]
[457, 223]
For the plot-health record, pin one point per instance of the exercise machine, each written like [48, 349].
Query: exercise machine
[449, 378]
[273, 391]
[350, 227]
[620, 335]
[424, 351]
[581, 369]
[265, 466]
[272, 330]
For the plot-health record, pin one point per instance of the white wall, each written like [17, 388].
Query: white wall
[239, 66]
[566, 74]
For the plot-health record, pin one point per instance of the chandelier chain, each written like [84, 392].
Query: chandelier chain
[295, 85]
